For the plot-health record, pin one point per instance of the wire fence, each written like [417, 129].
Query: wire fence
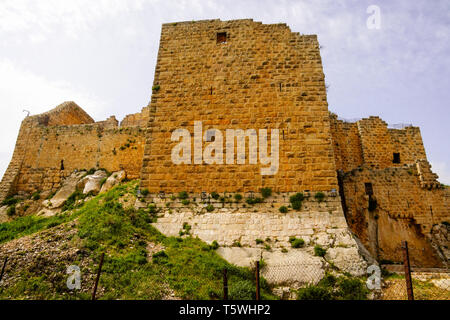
[315, 279]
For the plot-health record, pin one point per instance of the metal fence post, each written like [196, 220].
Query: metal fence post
[3, 269]
[225, 285]
[409, 287]
[98, 276]
[257, 281]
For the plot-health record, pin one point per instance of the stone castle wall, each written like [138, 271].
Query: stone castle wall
[405, 211]
[369, 141]
[262, 77]
[52, 145]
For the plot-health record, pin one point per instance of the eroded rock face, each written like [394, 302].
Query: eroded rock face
[69, 186]
[92, 183]
[113, 180]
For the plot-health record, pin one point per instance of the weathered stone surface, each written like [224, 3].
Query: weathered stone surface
[347, 259]
[114, 179]
[92, 183]
[69, 186]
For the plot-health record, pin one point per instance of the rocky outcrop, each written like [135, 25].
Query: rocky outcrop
[92, 183]
[69, 186]
[113, 180]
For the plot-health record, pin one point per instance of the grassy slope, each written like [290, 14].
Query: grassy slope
[189, 268]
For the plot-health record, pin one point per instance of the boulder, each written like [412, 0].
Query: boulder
[113, 180]
[92, 183]
[68, 187]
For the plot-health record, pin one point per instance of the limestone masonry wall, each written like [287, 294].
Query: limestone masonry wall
[404, 211]
[263, 76]
[52, 145]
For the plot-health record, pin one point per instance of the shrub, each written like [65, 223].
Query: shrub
[352, 289]
[236, 244]
[314, 293]
[319, 196]
[319, 251]
[215, 195]
[185, 202]
[296, 201]
[11, 211]
[259, 241]
[297, 243]
[214, 245]
[252, 201]
[156, 87]
[283, 209]
[266, 192]
[183, 195]
[242, 290]
[10, 201]
[210, 208]
[36, 195]
[238, 197]
[145, 192]
[160, 257]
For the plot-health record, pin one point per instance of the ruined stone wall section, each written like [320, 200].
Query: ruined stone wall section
[139, 119]
[405, 210]
[50, 146]
[264, 76]
[370, 142]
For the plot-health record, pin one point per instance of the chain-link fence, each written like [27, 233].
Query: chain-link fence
[408, 281]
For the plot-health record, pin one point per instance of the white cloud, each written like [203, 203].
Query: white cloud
[22, 90]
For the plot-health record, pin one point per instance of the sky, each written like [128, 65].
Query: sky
[102, 54]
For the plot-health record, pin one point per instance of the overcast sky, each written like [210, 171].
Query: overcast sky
[101, 54]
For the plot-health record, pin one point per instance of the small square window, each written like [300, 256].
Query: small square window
[221, 37]
[396, 158]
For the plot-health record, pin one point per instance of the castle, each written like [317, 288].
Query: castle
[246, 75]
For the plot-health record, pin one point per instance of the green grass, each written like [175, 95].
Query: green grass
[188, 267]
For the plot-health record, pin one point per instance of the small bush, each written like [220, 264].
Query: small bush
[160, 257]
[210, 208]
[156, 87]
[266, 192]
[183, 195]
[214, 245]
[236, 244]
[10, 201]
[314, 293]
[283, 209]
[296, 201]
[36, 196]
[319, 196]
[145, 192]
[238, 197]
[215, 195]
[319, 251]
[252, 201]
[297, 243]
[11, 211]
[185, 202]
[259, 241]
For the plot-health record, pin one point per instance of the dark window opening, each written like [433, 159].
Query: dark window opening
[221, 37]
[396, 158]
[62, 164]
[210, 136]
[369, 188]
